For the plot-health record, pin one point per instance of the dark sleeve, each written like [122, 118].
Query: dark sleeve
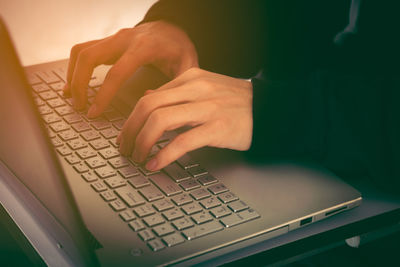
[228, 34]
[349, 123]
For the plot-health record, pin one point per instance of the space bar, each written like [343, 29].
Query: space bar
[202, 230]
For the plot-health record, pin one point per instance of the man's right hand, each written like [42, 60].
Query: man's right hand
[162, 44]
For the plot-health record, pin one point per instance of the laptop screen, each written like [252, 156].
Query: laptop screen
[25, 149]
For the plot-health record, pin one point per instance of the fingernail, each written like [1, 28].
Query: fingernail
[66, 87]
[118, 141]
[92, 111]
[151, 165]
[148, 92]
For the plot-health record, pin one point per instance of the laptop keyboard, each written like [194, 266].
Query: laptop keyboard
[165, 208]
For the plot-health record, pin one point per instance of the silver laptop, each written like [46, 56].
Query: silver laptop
[99, 208]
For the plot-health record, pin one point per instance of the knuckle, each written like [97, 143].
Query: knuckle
[85, 56]
[156, 118]
[122, 32]
[75, 50]
[144, 104]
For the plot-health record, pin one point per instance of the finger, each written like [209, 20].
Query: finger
[146, 105]
[166, 119]
[75, 50]
[124, 68]
[106, 51]
[193, 139]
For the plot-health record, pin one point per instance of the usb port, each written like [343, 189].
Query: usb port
[305, 221]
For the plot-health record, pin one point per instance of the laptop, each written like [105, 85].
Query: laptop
[96, 207]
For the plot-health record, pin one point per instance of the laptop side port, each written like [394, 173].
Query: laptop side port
[306, 221]
[334, 211]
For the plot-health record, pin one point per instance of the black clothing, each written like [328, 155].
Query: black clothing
[331, 101]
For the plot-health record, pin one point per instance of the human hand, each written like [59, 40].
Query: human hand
[159, 43]
[218, 107]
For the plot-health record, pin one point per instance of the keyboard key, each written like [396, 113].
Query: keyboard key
[200, 194]
[227, 197]
[77, 143]
[57, 86]
[65, 110]
[98, 186]
[163, 229]
[32, 78]
[81, 126]
[105, 172]
[147, 172]
[72, 159]
[72, 118]
[63, 150]
[101, 124]
[136, 225]
[129, 196]
[153, 220]
[113, 142]
[95, 162]
[189, 184]
[113, 115]
[220, 212]
[186, 162]
[86, 153]
[139, 181]
[182, 199]
[39, 102]
[68, 135]
[146, 235]
[202, 217]
[127, 215]
[129, 171]
[156, 245]
[191, 208]
[59, 126]
[197, 171]
[99, 144]
[109, 153]
[45, 110]
[182, 223]
[108, 196]
[144, 210]
[119, 162]
[167, 186]
[90, 135]
[173, 214]
[40, 88]
[48, 95]
[240, 217]
[163, 204]
[89, 176]
[80, 168]
[56, 142]
[202, 230]
[217, 189]
[210, 203]
[48, 76]
[50, 132]
[117, 205]
[151, 193]
[176, 172]
[51, 118]
[173, 239]
[238, 206]
[119, 124]
[56, 102]
[207, 179]
[115, 182]
[109, 133]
